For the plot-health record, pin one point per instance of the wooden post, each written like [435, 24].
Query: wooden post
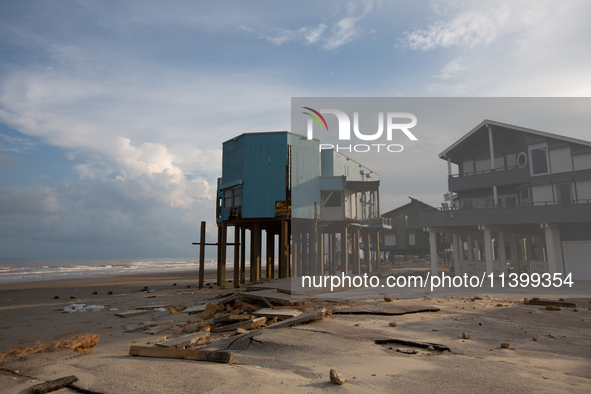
[305, 256]
[255, 252]
[202, 255]
[236, 280]
[219, 254]
[270, 271]
[242, 255]
[321, 252]
[378, 257]
[356, 261]
[332, 255]
[222, 282]
[295, 254]
[313, 250]
[284, 249]
[345, 251]
[367, 251]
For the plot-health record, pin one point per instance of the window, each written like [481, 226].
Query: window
[539, 159]
[411, 239]
[333, 199]
[524, 196]
[237, 196]
[390, 240]
[510, 201]
[564, 193]
[228, 198]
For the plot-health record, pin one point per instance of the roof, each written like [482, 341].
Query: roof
[266, 132]
[446, 153]
[413, 201]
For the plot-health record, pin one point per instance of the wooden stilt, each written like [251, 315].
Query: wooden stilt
[284, 249]
[345, 250]
[236, 279]
[320, 252]
[242, 254]
[356, 262]
[222, 281]
[255, 253]
[270, 254]
[378, 257]
[305, 255]
[202, 255]
[295, 254]
[219, 254]
[313, 267]
[332, 254]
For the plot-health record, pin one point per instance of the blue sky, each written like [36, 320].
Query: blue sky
[112, 114]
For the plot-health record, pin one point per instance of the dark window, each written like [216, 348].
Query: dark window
[564, 192]
[334, 200]
[539, 160]
[510, 201]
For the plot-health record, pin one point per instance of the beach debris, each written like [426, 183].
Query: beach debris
[552, 308]
[303, 318]
[250, 324]
[385, 309]
[81, 308]
[388, 299]
[465, 335]
[336, 377]
[109, 293]
[157, 329]
[186, 354]
[535, 339]
[407, 351]
[423, 345]
[157, 340]
[279, 314]
[134, 312]
[393, 324]
[56, 297]
[559, 303]
[159, 310]
[135, 327]
[53, 385]
[81, 343]
[505, 345]
[430, 347]
[184, 340]
[94, 293]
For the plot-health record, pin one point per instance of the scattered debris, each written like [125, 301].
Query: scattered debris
[336, 377]
[535, 339]
[184, 340]
[553, 308]
[537, 301]
[430, 347]
[505, 345]
[279, 314]
[407, 351]
[423, 345]
[388, 299]
[185, 354]
[53, 385]
[465, 335]
[304, 318]
[132, 313]
[393, 324]
[384, 309]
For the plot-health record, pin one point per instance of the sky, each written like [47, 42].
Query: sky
[113, 114]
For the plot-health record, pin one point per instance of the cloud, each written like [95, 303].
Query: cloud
[451, 69]
[327, 37]
[7, 161]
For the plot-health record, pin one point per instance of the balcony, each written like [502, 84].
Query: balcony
[542, 212]
[488, 178]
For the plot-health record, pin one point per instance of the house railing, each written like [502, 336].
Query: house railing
[508, 168]
[538, 267]
[447, 207]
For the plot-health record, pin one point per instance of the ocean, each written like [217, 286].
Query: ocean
[26, 270]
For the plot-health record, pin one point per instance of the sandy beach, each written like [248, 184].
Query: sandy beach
[298, 358]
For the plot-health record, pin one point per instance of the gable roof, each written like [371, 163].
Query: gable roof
[413, 201]
[483, 125]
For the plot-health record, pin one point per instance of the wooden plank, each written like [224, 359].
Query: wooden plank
[227, 319]
[306, 317]
[152, 307]
[267, 295]
[135, 327]
[185, 354]
[244, 324]
[278, 313]
[422, 345]
[132, 313]
[385, 309]
[184, 340]
[53, 385]
[158, 329]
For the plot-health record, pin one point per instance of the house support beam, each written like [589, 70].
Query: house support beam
[433, 252]
[470, 248]
[223, 250]
[242, 255]
[514, 254]
[270, 269]
[456, 254]
[237, 246]
[488, 249]
[255, 252]
[284, 250]
[502, 254]
[553, 248]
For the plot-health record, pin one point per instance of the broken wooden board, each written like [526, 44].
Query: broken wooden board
[304, 318]
[152, 307]
[135, 327]
[185, 354]
[132, 313]
[229, 319]
[280, 314]
[403, 342]
[53, 385]
[158, 329]
[265, 295]
[385, 309]
[244, 324]
[184, 340]
[552, 303]
[195, 308]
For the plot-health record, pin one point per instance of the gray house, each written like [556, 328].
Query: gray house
[519, 201]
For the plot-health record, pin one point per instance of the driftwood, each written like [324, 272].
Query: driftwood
[185, 354]
[422, 345]
[184, 340]
[534, 301]
[247, 324]
[53, 385]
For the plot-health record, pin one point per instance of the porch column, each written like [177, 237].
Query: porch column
[514, 254]
[433, 251]
[470, 250]
[478, 251]
[456, 254]
[502, 254]
[528, 248]
[284, 250]
[553, 248]
[488, 250]
[270, 270]
[345, 250]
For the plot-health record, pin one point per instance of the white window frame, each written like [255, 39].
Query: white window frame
[542, 145]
